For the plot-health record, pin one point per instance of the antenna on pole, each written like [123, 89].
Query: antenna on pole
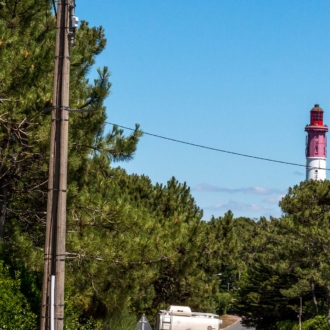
[74, 20]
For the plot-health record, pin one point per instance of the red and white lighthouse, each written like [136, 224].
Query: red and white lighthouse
[316, 146]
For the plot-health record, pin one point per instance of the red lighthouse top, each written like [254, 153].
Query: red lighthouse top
[316, 142]
[316, 116]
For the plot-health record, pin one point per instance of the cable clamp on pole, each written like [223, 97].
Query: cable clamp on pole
[63, 190]
[58, 56]
[45, 110]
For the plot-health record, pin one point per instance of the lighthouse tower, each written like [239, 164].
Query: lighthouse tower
[316, 146]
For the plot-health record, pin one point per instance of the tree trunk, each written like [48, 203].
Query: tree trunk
[3, 204]
[328, 299]
[314, 296]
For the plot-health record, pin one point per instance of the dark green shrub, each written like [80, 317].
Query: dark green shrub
[123, 320]
[317, 323]
[15, 312]
[285, 325]
[223, 301]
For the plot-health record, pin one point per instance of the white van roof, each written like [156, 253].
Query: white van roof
[179, 310]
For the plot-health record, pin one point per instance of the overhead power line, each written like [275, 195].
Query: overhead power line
[220, 150]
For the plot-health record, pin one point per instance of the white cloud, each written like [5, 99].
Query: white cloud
[273, 199]
[239, 206]
[205, 187]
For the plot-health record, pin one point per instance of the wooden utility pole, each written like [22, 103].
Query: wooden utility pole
[300, 313]
[52, 306]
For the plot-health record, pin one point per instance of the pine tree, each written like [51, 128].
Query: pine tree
[25, 86]
[260, 295]
[306, 221]
[27, 32]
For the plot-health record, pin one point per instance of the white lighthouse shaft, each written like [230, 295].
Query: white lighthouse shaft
[316, 168]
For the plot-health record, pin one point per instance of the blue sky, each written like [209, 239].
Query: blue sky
[230, 74]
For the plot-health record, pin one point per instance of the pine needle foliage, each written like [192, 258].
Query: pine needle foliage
[131, 245]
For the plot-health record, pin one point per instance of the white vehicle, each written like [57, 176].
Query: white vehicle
[182, 318]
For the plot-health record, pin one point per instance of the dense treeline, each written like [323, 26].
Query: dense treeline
[290, 261]
[133, 247]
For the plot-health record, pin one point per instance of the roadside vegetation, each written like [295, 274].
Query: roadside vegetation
[134, 247]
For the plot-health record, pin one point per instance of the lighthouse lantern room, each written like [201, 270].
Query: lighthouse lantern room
[316, 146]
